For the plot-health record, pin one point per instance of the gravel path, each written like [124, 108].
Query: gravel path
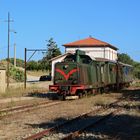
[15, 99]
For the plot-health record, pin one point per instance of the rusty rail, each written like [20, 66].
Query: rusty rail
[47, 131]
[6, 112]
[99, 120]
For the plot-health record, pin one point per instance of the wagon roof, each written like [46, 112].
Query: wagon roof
[104, 59]
[124, 64]
[90, 42]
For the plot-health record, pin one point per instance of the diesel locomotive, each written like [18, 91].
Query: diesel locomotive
[79, 74]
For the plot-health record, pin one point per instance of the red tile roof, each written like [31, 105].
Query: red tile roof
[89, 42]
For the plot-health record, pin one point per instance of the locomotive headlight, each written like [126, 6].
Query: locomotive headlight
[74, 81]
[65, 67]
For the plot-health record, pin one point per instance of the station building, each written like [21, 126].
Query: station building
[95, 48]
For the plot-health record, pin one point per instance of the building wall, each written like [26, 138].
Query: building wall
[101, 52]
[2, 80]
[60, 59]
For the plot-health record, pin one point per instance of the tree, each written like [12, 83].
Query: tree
[125, 58]
[32, 65]
[136, 71]
[52, 49]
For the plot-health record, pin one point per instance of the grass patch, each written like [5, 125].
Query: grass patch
[18, 92]
[37, 73]
[103, 100]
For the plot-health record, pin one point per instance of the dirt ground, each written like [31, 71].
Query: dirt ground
[21, 125]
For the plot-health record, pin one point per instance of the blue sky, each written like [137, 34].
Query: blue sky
[114, 21]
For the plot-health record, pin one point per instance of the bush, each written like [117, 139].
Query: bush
[19, 62]
[17, 74]
[32, 65]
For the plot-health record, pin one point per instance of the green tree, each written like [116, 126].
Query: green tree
[125, 58]
[52, 49]
[136, 66]
[32, 65]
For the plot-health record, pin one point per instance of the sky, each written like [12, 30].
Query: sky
[35, 21]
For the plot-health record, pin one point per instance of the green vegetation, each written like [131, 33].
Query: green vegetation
[19, 62]
[125, 58]
[16, 74]
[52, 51]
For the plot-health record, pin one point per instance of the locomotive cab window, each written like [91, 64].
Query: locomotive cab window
[85, 59]
[70, 58]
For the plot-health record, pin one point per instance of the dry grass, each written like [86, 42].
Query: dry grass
[37, 73]
[17, 89]
[18, 92]
[105, 99]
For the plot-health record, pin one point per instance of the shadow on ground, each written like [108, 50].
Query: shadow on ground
[120, 127]
[131, 94]
[48, 95]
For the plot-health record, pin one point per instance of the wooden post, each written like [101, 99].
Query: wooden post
[25, 68]
[14, 54]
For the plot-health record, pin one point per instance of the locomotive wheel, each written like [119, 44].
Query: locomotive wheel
[93, 91]
[101, 90]
[63, 97]
[80, 94]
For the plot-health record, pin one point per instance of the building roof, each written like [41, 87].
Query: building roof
[90, 42]
[59, 56]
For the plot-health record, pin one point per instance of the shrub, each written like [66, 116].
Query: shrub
[32, 65]
[17, 74]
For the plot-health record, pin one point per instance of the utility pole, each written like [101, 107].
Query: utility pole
[14, 54]
[8, 60]
[25, 75]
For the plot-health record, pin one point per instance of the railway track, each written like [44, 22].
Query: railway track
[24, 108]
[72, 128]
[94, 123]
